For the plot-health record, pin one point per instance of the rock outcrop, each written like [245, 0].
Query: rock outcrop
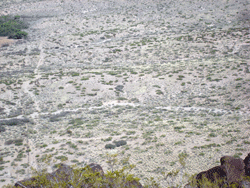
[233, 172]
[247, 165]
[217, 174]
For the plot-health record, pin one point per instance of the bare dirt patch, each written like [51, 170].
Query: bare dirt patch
[4, 41]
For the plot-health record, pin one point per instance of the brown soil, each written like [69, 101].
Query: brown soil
[6, 41]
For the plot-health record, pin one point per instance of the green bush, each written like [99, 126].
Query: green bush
[120, 143]
[11, 27]
[110, 146]
[18, 35]
[80, 177]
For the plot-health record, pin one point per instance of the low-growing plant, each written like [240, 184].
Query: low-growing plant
[110, 146]
[17, 142]
[159, 92]
[107, 139]
[120, 143]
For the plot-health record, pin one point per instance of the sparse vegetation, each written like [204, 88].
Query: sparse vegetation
[150, 81]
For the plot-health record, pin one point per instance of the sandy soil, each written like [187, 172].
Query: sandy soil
[4, 41]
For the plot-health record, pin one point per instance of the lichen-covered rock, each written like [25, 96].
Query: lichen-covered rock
[120, 143]
[231, 173]
[217, 175]
[235, 170]
[96, 168]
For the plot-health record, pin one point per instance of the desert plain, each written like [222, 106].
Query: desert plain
[168, 77]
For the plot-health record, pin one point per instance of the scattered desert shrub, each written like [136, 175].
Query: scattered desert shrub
[17, 142]
[120, 143]
[77, 121]
[107, 139]
[82, 177]
[14, 121]
[69, 131]
[110, 146]
[62, 158]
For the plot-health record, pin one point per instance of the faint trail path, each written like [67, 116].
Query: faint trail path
[84, 139]
[31, 159]
[26, 87]
[110, 105]
[41, 59]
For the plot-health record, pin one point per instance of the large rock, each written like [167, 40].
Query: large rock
[217, 175]
[231, 173]
[235, 170]
[96, 168]
[61, 174]
[247, 165]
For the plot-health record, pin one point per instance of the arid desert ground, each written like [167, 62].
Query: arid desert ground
[166, 76]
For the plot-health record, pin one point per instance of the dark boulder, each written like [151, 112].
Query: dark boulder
[216, 175]
[134, 184]
[110, 146]
[247, 165]
[120, 143]
[231, 173]
[96, 168]
[62, 173]
[27, 183]
[119, 88]
[235, 170]
[224, 159]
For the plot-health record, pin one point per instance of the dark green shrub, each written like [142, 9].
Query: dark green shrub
[120, 143]
[18, 35]
[14, 121]
[107, 139]
[62, 158]
[69, 131]
[11, 27]
[110, 146]
[81, 177]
